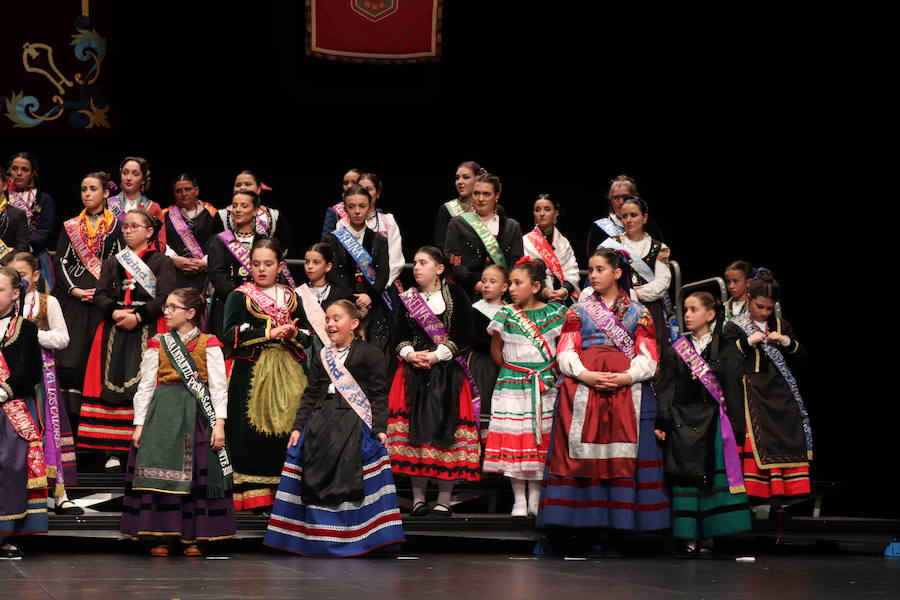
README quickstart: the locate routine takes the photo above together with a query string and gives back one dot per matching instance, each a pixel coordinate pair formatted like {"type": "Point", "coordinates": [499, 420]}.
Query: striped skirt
{"type": "Point", "coordinates": [699, 513]}
{"type": "Point", "coordinates": [640, 503]}
{"type": "Point", "coordinates": [775, 482]}
{"type": "Point", "coordinates": [348, 529]}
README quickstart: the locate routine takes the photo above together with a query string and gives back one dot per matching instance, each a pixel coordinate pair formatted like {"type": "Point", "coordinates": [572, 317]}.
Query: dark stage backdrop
{"type": "Point", "coordinates": [714, 120]}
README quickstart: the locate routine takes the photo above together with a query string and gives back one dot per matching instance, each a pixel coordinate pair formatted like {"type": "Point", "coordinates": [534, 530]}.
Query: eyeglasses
{"type": "Point", "coordinates": [619, 196]}
{"type": "Point", "coordinates": [170, 308]}
{"type": "Point", "coordinates": [127, 226]}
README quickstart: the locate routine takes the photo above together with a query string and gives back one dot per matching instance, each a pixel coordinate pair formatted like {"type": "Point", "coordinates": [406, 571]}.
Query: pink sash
{"type": "Point", "coordinates": [346, 385]}
{"type": "Point", "coordinates": [546, 252]}
{"type": "Point", "coordinates": [608, 324]}
{"type": "Point", "coordinates": [80, 245]}
{"type": "Point", "coordinates": [280, 314]}
{"type": "Point", "coordinates": [185, 233]}
{"type": "Point", "coordinates": [314, 313]}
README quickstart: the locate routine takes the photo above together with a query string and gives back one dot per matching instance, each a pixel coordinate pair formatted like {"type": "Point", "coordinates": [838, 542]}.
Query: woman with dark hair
{"type": "Point", "coordinates": [267, 221]}
{"type": "Point", "coordinates": [134, 173]}
{"type": "Point", "coordinates": [485, 236]}
{"type": "Point", "coordinates": [40, 213]}
{"type": "Point", "coordinates": [432, 408]}
{"type": "Point", "coordinates": [466, 173]}
{"type": "Point", "coordinates": [130, 295]}
{"type": "Point", "coordinates": [546, 242]}
{"type": "Point", "coordinates": [190, 226]}
{"type": "Point", "coordinates": [335, 213]}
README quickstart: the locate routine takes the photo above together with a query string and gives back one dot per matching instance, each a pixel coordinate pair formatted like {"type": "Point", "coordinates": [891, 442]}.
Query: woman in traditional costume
{"type": "Point", "coordinates": [268, 221]}
{"type": "Point", "coordinates": [479, 238]}
{"type": "Point", "coordinates": [265, 336]}
{"type": "Point", "coordinates": [362, 263]}
{"type": "Point", "coordinates": [23, 476]}
{"type": "Point", "coordinates": [336, 496]}
{"type": "Point", "coordinates": [40, 212]}
{"type": "Point", "coordinates": [85, 242]}
{"type": "Point", "coordinates": [778, 447]}
{"type": "Point", "coordinates": [466, 173]}
{"type": "Point", "coordinates": [333, 214]}
{"type": "Point", "coordinates": [650, 274]}
{"type": "Point", "coordinates": [432, 408]}
{"type": "Point", "coordinates": [132, 289]}
{"type": "Point", "coordinates": [179, 477]}
{"type": "Point", "coordinates": [53, 335]}
{"type": "Point", "coordinates": [494, 285]}
{"type": "Point", "coordinates": [698, 389]}
{"type": "Point", "coordinates": [604, 465]}
{"type": "Point", "coordinates": [524, 342]}
{"type": "Point", "coordinates": [134, 173]}
{"type": "Point", "coordinates": [190, 226]}
{"type": "Point", "coordinates": [547, 243]}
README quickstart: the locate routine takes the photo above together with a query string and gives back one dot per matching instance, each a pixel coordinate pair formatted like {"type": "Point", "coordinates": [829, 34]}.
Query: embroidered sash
{"type": "Point", "coordinates": [454, 207]}
{"type": "Point", "coordinates": [609, 227]}
{"type": "Point", "coordinates": [546, 252]}
{"type": "Point", "coordinates": [4, 249]}
{"type": "Point", "coordinates": [52, 425]}
{"type": "Point", "coordinates": [363, 260]}
{"type": "Point", "coordinates": [346, 385]}
{"type": "Point", "coordinates": [79, 242]}
{"type": "Point", "coordinates": [434, 329]}
{"type": "Point", "coordinates": [486, 237]}
{"type": "Point", "coordinates": [744, 321]}
{"type": "Point", "coordinates": [26, 201]}
{"type": "Point", "coordinates": [314, 313]}
{"type": "Point", "coordinates": [185, 233]}
{"type": "Point", "coordinates": [608, 323]}
{"type": "Point", "coordinates": [701, 370]}
{"type": "Point", "coordinates": [26, 428]}
{"type": "Point", "coordinates": [539, 386]}
{"type": "Point", "coordinates": [237, 249]}
{"type": "Point", "coordinates": [190, 377]}
{"type": "Point", "coordinates": [138, 269]}
{"type": "Point", "coordinates": [341, 211]}
{"type": "Point", "coordinates": [280, 314]}
{"type": "Point", "coordinates": [648, 275]}
{"type": "Point", "coordinates": [117, 205]}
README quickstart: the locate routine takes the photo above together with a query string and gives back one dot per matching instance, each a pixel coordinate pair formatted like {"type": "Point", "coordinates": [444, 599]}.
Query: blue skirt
{"type": "Point", "coordinates": [347, 529]}
{"type": "Point", "coordinates": [641, 503]}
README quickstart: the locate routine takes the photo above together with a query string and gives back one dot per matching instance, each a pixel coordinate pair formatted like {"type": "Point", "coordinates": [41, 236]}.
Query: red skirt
{"type": "Point", "coordinates": [775, 482]}
{"type": "Point", "coordinates": [458, 460]}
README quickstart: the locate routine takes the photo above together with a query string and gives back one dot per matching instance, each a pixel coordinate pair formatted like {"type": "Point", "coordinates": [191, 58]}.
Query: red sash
{"type": "Point", "coordinates": [80, 245]}
{"type": "Point", "coordinates": [546, 252]}
{"type": "Point", "coordinates": [26, 428]}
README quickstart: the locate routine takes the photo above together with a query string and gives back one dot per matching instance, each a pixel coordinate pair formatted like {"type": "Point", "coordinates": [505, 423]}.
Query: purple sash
{"type": "Point", "coordinates": [346, 385]}
{"type": "Point", "coordinates": [608, 323]}
{"type": "Point", "coordinates": [52, 427]}
{"type": "Point", "coordinates": [185, 233]}
{"type": "Point", "coordinates": [699, 367]}
{"type": "Point", "coordinates": [237, 249]}
{"type": "Point", "coordinates": [432, 326]}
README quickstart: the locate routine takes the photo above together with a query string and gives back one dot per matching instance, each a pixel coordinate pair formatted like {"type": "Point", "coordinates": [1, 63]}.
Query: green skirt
{"type": "Point", "coordinates": [708, 512]}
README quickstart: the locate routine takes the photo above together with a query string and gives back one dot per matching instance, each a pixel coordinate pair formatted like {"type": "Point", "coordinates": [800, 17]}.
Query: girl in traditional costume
{"type": "Point", "coordinates": [433, 404]}
{"type": "Point", "coordinates": [333, 213]}
{"type": "Point", "coordinates": [39, 210]}
{"type": "Point", "coordinates": [494, 285]}
{"type": "Point", "coordinates": [466, 173]}
{"type": "Point", "coordinates": [85, 242]}
{"type": "Point", "coordinates": [737, 281]}
{"type": "Point", "coordinates": [697, 390]}
{"type": "Point", "coordinates": [336, 496]}
{"type": "Point", "coordinates": [13, 224]}
{"type": "Point", "coordinates": [134, 173]}
{"type": "Point", "coordinates": [604, 465]}
{"type": "Point", "coordinates": [778, 447]}
{"type": "Point", "coordinates": [547, 243]}
{"type": "Point", "coordinates": [268, 221]}
{"type": "Point", "coordinates": [23, 477]}
{"type": "Point", "coordinates": [190, 226]}
{"type": "Point", "coordinates": [362, 262]}
{"type": "Point", "coordinates": [318, 293]}
{"type": "Point", "coordinates": [179, 477]}
{"type": "Point", "coordinates": [610, 225]}
{"type": "Point", "coordinates": [53, 335]}
{"type": "Point", "coordinates": [650, 274]}
{"type": "Point", "coordinates": [524, 341]}
{"type": "Point", "coordinates": [265, 335]}
{"type": "Point", "coordinates": [485, 236]}
{"type": "Point", "coordinates": [133, 287]}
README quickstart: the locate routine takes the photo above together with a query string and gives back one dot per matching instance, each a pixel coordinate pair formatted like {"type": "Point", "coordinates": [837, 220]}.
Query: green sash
{"type": "Point", "coordinates": [454, 207]}
{"type": "Point", "coordinates": [487, 238]}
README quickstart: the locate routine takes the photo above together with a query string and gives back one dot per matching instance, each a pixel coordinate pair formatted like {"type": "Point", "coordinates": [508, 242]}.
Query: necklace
{"type": "Point", "coordinates": [321, 292]}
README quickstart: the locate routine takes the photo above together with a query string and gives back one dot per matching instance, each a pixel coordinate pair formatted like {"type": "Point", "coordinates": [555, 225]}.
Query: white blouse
{"type": "Point", "coordinates": [380, 222]}
{"type": "Point", "coordinates": [215, 368]}
{"type": "Point", "coordinates": [564, 253]}
{"type": "Point", "coordinates": [437, 305]}
{"type": "Point", "coordinates": [57, 337]}
{"type": "Point", "coordinates": [660, 284]}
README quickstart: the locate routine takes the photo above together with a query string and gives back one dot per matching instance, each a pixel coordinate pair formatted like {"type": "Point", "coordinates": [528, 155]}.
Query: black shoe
{"type": "Point", "coordinates": [419, 510]}
{"type": "Point", "coordinates": [445, 511]}
{"type": "Point", "coordinates": [686, 550]}
{"type": "Point", "coordinates": [67, 507]}
{"type": "Point", "coordinates": [705, 553]}
{"type": "Point", "coordinates": [10, 552]}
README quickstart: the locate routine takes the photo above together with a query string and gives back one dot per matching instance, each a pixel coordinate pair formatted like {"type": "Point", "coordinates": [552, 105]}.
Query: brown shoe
{"type": "Point", "coordinates": [193, 550]}
{"type": "Point", "coordinates": [161, 550]}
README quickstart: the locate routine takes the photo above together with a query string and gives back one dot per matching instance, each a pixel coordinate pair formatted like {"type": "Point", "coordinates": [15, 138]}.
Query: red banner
{"type": "Point", "coordinates": [374, 30]}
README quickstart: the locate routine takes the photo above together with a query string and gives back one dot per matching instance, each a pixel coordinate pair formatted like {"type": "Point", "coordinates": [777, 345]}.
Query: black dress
{"type": "Point", "coordinates": [14, 231]}
{"type": "Point", "coordinates": [225, 274]}
{"type": "Point", "coordinates": [469, 257]}
{"type": "Point", "coordinates": [204, 226]}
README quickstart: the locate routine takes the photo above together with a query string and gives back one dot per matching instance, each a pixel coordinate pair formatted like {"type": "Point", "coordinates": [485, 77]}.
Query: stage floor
{"type": "Point", "coordinates": [63, 568]}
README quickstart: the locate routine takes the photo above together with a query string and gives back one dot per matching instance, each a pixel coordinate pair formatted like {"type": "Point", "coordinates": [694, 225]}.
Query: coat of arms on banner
{"type": "Point", "coordinates": [375, 10]}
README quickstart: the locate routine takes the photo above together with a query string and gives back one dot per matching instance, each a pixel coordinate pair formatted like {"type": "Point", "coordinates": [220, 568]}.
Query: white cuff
{"type": "Point", "coordinates": [443, 353]}
{"type": "Point", "coordinates": [406, 351]}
